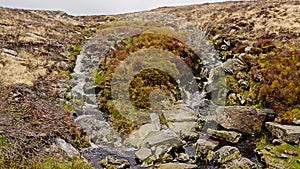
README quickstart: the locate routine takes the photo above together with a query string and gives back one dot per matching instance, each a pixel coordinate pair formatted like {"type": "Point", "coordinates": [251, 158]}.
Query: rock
{"type": "Point", "coordinates": [287, 133]}
{"type": "Point", "coordinates": [203, 147]}
{"type": "Point", "coordinates": [296, 121]}
{"type": "Point", "coordinates": [230, 136]}
{"type": "Point", "coordinates": [110, 162]}
{"type": "Point", "coordinates": [182, 120]}
{"type": "Point", "coordinates": [277, 141]}
{"type": "Point", "coordinates": [179, 113]}
{"type": "Point", "coordinates": [245, 84]}
{"type": "Point", "coordinates": [291, 152]}
{"type": "Point", "coordinates": [233, 98]}
{"type": "Point", "coordinates": [283, 156]}
{"type": "Point", "coordinates": [66, 147]}
{"type": "Point", "coordinates": [241, 99]}
{"type": "Point", "coordinates": [176, 166]}
{"type": "Point", "coordinates": [190, 150]}
{"type": "Point", "coordinates": [163, 137]}
{"type": "Point", "coordinates": [135, 138]}
{"type": "Point", "coordinates": [241, 118]}
{"type": "Point", "coordinates": [182, 157]}
{"type": "Point", "coordinates": [10, 52]}
{"type": "Point", "coordinates": [100, 131]}
{"type": "Point", "coordinates": [243, 163]}
{"type": "Point", "coordinates": [184, 129]}
{"type": "Point", "coordinates": [233, 65]}
{"type": "Point", "coordinates": [268, 148]}
{"type": "Point", "coordinates": [276, 166]}
{"type": "Point", "coordinates": [226, 154]}
{"type": "Point", "coordinates": [143, 153]}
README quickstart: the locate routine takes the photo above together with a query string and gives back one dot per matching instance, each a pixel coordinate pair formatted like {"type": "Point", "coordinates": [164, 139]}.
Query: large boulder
{"type": "Point", "coordinates": [241, 118]}
{"type": "Point", "coordinates": [287, 133]}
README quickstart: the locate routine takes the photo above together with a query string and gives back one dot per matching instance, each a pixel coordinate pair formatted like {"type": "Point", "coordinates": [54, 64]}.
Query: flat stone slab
{"type": "Point", "coordinates": [287, 133]}
{"type": "Point", "coordinates": [179, 113]}
{"type": "Point", "coordinates": [163, 137]}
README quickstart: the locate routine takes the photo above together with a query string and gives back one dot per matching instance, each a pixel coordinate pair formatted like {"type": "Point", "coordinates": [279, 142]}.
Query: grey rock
{"type": "Point", "coordinates": [233, 65]}
{"type": "Point", "coordinates": [100, 131]}
{"type": "Point", "coordinates": [66, 147]}
{"type": "Point", "coordinates": [203, 147]}
{"type": "Point", "coordinates": [136, 138]}
{"type": "Point", "coordinates": [287, 133]}
{"type": "Point", "coordinates": [113, 162]}
{"type": "Point", "coordinates": [277, 141]}
{"type": "Point", "coordinates": [179, 113]}
{"type": "Point", "coordinates": [241, 98]}
{"type": "Point", "coordinates": [182, 157]}
{"type": "Point", "coordinates": [296, 121]}
{"type": "Point", "coordinates": [143, 153]}
{"type": "Point", "coordinates": [10, 52]}
{"type": "Point", "coordinates": [230, 136]}
{"type": "Point", "coordinates": [242, 163]}
{"type": "Point", "coordinates": [226, 154]}
{"type": "Point", "coordinates": [240, 118]}
{"type": "Point", "coordinates": [163, 137]}
{"type": "Point", "coordinates": [283, 156]}
{"type": "Point", "coordinates": [184, 129]}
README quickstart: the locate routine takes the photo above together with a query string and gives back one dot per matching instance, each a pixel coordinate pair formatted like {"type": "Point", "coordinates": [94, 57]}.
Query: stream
{"type": "Point", "coordinates": [107, 142]}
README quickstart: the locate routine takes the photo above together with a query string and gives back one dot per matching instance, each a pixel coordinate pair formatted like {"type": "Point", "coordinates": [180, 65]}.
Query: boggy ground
{"type": "Point", "coordinates": [39, 49]}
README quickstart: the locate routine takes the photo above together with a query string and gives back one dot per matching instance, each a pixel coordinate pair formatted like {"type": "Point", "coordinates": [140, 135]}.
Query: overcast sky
{"type": "Point", "coordinates": [89, 7]}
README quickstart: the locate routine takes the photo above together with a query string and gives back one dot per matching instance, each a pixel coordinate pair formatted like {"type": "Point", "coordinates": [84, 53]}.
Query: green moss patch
{"type": "Point", "coordinates": [284, 155]}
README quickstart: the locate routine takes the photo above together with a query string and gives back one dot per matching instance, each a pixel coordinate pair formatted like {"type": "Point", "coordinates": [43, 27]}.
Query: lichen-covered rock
{"type": "Point", "coordinates": [287, 133]}
{"type": "Point", "coordinates": [230, 136]}
{"type": "Point", "coordinates": [110, 162]}
{"type": "Point", "coordinates": [226, 154]}
{"type": "Point", "coordinates": [242, 163]}
{"type": "Point", "coordinates": [203, 147]}
{"type": "Point", "coordinates": [241, 118]}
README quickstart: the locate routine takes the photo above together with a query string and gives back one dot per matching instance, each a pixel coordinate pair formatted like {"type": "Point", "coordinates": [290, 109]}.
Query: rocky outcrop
{"type": "Point", "coordinates": [241, 118]}
{"type": "Point", "coordinates": [288, 133]}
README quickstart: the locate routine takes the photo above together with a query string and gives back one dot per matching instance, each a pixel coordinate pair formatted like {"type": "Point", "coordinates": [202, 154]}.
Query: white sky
{"type": "Point", "coordinates": [89, 7]}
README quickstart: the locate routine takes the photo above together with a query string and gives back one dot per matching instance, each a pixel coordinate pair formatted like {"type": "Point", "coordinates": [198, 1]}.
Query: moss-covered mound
{"type": "Point", "coordinates": [140, 51]}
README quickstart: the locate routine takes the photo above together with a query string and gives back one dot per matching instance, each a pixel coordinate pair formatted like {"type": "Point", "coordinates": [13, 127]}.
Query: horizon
{"type": "Point", "coordinates": [102, 7]}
